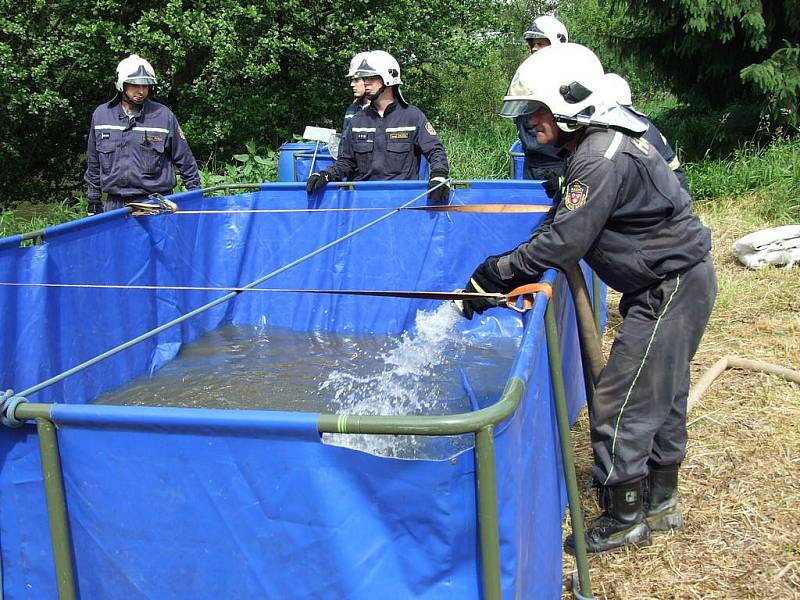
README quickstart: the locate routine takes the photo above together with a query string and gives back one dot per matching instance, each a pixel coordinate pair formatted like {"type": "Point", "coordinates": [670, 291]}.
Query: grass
{"type": "Point", "coordinates": [769, 177]}
{"type": "Point", "coordinates": [740, 482]}
{"type": "Point", "coordinates": [482, 153]}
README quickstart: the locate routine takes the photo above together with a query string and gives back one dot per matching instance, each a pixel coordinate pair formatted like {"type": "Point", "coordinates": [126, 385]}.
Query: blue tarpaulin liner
{"type": "Point", "coordinates": [203, 503]}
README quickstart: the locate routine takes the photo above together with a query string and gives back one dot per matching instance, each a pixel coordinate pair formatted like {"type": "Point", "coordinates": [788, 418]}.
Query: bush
{"type": "Point", "coordinates": [231, 70]}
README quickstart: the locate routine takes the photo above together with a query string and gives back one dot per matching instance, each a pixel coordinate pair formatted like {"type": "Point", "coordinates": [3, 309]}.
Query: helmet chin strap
{"type": "Point", "coordinates": [137, 102]}
{"type": "Point", "coordinates": [376, 95]}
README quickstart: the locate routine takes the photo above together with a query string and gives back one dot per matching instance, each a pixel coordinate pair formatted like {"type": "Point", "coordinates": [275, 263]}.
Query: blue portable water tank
{"type": "Point", "coordinates": [517, 160]}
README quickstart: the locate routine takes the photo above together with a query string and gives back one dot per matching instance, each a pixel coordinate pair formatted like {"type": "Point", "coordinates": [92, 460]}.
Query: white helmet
{"type": "Point", "coordinates": [567, 78]}
{"type": "Point", "coordinates": [136, 70]}
{"type": "Point", "coordinates": [618, 89]}
{"type": "Point", "coordinates": [547, 27]}
{"type": "Point", "coordinates": [382, 64]}
{"type": "Point", "coordinates": [355, 62]}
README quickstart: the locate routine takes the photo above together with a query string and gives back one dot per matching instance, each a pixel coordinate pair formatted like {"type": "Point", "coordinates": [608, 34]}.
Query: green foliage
{"type": "Point", "coordinates": [481, 152]}
{"type": "Point", "coordinates": [718, 50]}
{"type": "Point", "coordinates": [698, 131]}
{"type": "Point", "coordinates": [29, 218]}
{"type": "Point", "coordinates": [773, 173]}
{"type": "Point", "coordinates": [231, 70]}
{"type": "Point", "coordinates": [254, 166]}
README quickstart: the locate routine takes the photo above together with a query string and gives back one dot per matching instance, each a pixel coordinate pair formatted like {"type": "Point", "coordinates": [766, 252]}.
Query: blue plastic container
{"type": "Point", "coordinates": [517, 160]}
{"type": "Point", "coordinates": [296, 158]}
{"type": "Point", "coordinates": [178, 503]}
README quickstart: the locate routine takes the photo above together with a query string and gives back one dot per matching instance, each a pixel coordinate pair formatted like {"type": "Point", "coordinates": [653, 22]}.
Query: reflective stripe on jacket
{"type": "Point", "coordinates": [389, 147]}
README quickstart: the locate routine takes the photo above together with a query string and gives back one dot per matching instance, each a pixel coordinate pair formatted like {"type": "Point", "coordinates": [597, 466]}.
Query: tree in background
{"type": "Point", "coordinates": [231, 70]}
{"type": "Point", "coordinates": [719, 50]}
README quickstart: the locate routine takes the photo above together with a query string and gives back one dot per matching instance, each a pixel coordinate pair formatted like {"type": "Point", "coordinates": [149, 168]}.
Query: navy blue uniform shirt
{"type": "Point", "coordinates": [388, 147]}
{"type": "Point", "coordinates": [137, 156]}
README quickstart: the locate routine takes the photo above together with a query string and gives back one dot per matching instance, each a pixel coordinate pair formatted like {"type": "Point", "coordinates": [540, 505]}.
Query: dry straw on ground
{"type": "Point", "coordinates": [740, 482]}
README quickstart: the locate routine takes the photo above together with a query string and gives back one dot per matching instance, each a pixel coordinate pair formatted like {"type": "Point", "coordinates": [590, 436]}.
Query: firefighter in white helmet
{"type": "Point", "coordinates": [387, 139]}
{"type": "Point", "coordinates": [135, 143]}
{"type": "Point", "coordinates": [623, 211]}
{"type": "Point", "coordinates": [541, 161]}
{"type": "Point", "coordinates": [360, 100]}
{"type": "Point", "coordinates": [620, 90]}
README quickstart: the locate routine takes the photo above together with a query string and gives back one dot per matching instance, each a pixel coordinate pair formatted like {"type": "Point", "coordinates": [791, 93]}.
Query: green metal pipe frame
{"type": "Point", "coordinates": [568, 460]}
{"type": "Point", "coordinates": [488, 520]}
{"type": "Point", "coordinates": [56, 509]}
{"type": "Point", "coordinates": [480, 422]}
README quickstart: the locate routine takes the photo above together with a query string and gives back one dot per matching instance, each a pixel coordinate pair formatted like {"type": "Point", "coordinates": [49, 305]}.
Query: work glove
{"type": "Point", "coordinates": [487, 279]}
{"type": "Point", "coordinates": [552, 187]}
{"type": "Point", "coordinates": [317, 181]}
{"type": "Point", "coordinates": [441, 194]}
{"type": "Point", "coordinates": [95, 206]}
{"type": "Point", "coordinates": [484, 280]}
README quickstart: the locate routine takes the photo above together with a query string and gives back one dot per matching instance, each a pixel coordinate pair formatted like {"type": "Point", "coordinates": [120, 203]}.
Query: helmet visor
{"type": "Point", "coordinates": [516, 108]}
{"type": "Point", "coordinates": [534, 33]}
{"type": "Point", "coordinates": [362, 73]}
{"type": "Point", "coordinates": [141, 80]}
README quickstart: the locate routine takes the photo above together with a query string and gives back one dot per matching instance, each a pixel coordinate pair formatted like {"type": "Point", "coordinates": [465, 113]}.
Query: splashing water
{"type": "Point", "coordinates": [412, 377]}
{"type": "Point", "coordinates": [423, 372]}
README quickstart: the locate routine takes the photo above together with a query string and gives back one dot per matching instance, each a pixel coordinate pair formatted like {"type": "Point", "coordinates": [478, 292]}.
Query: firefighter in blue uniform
{"type": "Point", "coordinates": [135, 143]}
{"type": "Point", "coordinates": [360, 100]}
{"type": "Point", "coordinates": [387, 139]}
{"type": "Point", "coordinates": [621, 92]}
{"type": "Point", "coordinates": [622, 210]}
{"type": "Point", "coordinates": [542, 161]}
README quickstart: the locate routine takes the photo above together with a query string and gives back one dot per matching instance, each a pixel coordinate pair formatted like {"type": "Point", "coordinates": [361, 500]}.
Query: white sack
{"type": "Point", "coordinates": [773, 246]}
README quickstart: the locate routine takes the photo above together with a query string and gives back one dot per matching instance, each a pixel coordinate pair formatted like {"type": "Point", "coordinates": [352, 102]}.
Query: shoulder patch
{"type": "Point", "coordinates": [180, 132]}
{"type": "Point", "coordinates": [577, 195]}
{"type": "Point", "coordinates": [429, 128]}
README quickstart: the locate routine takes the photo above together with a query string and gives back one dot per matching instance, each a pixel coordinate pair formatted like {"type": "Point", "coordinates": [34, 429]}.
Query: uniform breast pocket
{"type": "Point", "coordinates": [153, 161]}
{"type": "Point", "coordinates": [363, 155]}
{"type": "Point", "coordinates": [397, 155]}
{"type": "Point", "coordinates": [106, 149]}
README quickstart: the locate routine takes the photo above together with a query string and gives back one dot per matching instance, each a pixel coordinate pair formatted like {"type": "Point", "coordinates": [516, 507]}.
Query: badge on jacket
{"type": "Point", "coordinates": [577, 194]}
{"type": "Point", "coordinates": [429, 128]}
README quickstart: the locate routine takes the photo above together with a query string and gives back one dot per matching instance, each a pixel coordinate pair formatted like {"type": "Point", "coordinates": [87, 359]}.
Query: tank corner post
{"type": "Point", "coordinates": [60, 537]}
{"type": "Point", "coordinates": [488, 520]}
{"type": "Point", "coordinates": [56, 508]}
{"type": "Point", "coordinates": [568, 459]}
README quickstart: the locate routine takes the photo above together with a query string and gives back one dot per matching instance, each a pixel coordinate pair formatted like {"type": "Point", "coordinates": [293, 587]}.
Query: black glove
{"type": "Point", "coordinates": [317, 181]}
{"type": "Point", "coordinates": [485, 280]}
{"type": "Point", "coordinates": [442, 193]}
{"type": "Point", "coordinates": [95, 206]}
{"type": "Point", "coordinates": [552, 187]}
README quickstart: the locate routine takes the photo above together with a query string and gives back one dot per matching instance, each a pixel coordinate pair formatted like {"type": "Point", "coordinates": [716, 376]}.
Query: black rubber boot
{"type": "Point", "coordinates": [622, 523]}
{"type": "Point", "coordinates": [661, 498]}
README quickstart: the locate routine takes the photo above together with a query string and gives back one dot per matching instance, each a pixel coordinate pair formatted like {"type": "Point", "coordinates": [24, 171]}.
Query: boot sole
{"type": "Point", "coordinates": [638, 537]}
